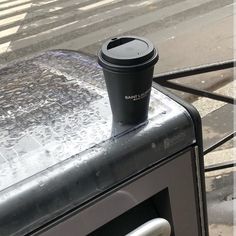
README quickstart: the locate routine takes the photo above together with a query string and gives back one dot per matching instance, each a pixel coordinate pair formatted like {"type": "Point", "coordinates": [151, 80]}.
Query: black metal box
{"type": "Point", "coordinates": [63, 169]}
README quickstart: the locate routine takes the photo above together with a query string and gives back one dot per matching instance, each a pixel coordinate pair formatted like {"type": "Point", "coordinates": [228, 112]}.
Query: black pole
{"type": "Point", "coordinates": [198, 92]}
{"type": "Point", "coordinates": [195, 70]}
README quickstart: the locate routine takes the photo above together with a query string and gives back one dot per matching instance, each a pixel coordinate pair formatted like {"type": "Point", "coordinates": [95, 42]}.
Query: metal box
{"type": "Point", "coordinates": [63, 169]}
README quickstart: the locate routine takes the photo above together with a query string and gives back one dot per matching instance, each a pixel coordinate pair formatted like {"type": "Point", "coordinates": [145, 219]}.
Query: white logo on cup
{"type": "Point", "coordinates": [137, 97]}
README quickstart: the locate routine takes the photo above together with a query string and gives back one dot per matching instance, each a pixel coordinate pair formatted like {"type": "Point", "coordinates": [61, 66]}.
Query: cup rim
{"type": "Point", "coordinates": [125, 68]}
{"type": "Point", "coordinates": [147, 59]}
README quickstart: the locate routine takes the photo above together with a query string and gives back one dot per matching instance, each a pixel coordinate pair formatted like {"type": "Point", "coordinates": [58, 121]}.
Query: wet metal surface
{"type": "Point", "coordinates": [56, 148]}
{"type": "Point", "coordinates": [46, 113]}
{"type": "Point", "coordinates": [51, 110]}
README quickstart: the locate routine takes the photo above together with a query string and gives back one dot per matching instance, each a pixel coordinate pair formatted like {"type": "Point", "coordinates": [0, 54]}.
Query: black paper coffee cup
{"type": "Point", "coordinates": [128, 64]}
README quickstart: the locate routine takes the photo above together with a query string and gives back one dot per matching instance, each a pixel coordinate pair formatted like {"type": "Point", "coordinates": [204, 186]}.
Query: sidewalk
{"type": "Point", "coordinates": [221, 198]}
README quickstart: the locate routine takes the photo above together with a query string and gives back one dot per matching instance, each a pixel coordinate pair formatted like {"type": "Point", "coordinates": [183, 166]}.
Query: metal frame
{"type": "Point", "coordinates": [164, 80]}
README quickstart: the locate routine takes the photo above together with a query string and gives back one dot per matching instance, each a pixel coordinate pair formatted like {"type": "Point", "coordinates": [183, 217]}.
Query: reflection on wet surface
{"type": "Point", "coordinates": [57, 145]}
{"type": "Point", "coordinates": [53, 107]}
{"type": "Point", "coordinates": [46, 112]}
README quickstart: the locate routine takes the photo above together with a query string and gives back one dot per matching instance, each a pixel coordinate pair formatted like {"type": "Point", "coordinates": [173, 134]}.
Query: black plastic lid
{"type": "Point", "coordinates": [126, 52]}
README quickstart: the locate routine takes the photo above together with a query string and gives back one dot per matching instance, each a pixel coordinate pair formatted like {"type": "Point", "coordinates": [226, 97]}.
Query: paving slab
{"type": "Point", "coordinates": [220, 185]}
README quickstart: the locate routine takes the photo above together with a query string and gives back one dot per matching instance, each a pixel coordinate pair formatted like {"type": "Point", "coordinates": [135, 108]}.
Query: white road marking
{"type": "Point", "coordinates": [25, 7]}
{"type": "Point", "coordinates": [123, 27]}
{"type": "Point", "coordinates": [13, 3]}
{"type": "Point", "coordinates": [4, 47]}
{"type": "Point", "coordinates": [9, 31]}
{"type": "Point", "coordinates": [15, 9]}
{"type": "Point", "coordinates": [57, 31]}
{"type": "Point", "coordinates": [95, 5]}
{"type": "Point", "coordinates": [12, 19]}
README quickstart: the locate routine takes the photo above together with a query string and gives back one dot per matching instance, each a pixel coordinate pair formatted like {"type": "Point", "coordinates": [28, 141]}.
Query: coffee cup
{"type": "Point", "coordinates": [128, 65]}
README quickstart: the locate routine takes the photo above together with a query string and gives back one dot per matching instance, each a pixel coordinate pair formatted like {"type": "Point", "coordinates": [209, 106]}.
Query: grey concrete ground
{"type": "Point", "coordinates": [220, 185]}
{"type": "Point", "coordinates": [186, 32]}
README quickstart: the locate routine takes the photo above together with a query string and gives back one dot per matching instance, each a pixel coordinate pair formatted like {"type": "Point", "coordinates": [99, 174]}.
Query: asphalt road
{"type": "Point", "coordinates": [186, 32]}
